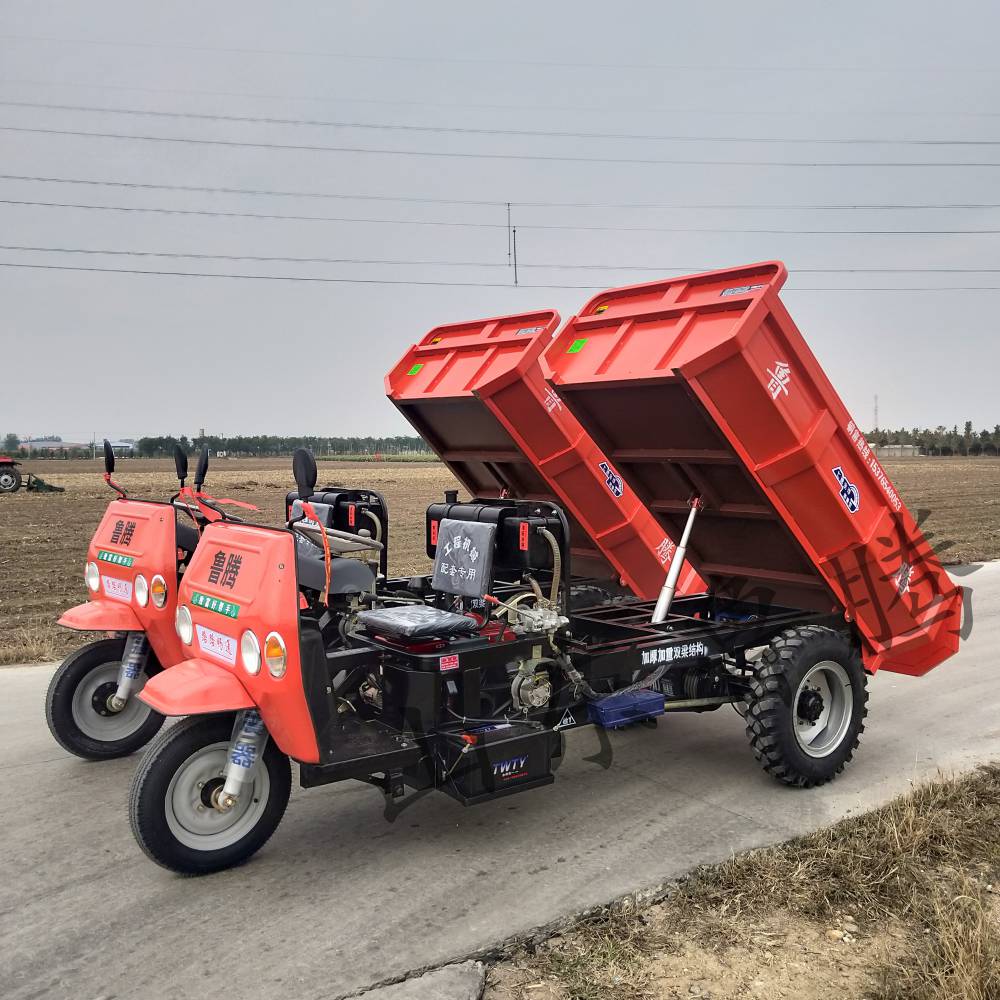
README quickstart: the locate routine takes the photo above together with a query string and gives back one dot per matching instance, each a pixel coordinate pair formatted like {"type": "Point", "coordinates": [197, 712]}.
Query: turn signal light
{"type": "Point", "coordinates": [274, 654]}
{"type": "Point", "coordinates": [158, 591]}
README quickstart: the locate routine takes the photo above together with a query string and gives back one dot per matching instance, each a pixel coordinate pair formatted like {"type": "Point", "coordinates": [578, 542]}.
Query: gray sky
{"type": "Point", "coordinates": [127, 354]}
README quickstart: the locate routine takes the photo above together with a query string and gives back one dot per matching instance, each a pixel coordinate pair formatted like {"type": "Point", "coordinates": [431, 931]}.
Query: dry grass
{"type": "Point", "coordinates": [957, 957]}
{"type": "Point", "coordinates": [919, 865]}
{"type": "Point", "coordinates": [873, 865]}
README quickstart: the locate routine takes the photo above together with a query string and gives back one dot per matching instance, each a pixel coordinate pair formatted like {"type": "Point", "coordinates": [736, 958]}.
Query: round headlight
{"type": "Point", "coordinates": [274, 654]}
{"type": "Point", "coordinates": [141, 591]}
{"type": "Point", "coordinates": [250, 653]}
{"type": "Point", "coordinates": [184, 625]}
{"type": "Point", "coordinates": [158, 591]}
{"type": "Point", "coordinates": [93, 576]}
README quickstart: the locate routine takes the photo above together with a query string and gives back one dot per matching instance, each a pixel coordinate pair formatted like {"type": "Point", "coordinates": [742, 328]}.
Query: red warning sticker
{"type": "Point", "coordinates": [434, 532]}
{"type": "Point", "coordinates": [523, 536]}
{"type": "Point", "coordinates": [352, 513]}
{"type": "Point", "coordinates": [448, 662]}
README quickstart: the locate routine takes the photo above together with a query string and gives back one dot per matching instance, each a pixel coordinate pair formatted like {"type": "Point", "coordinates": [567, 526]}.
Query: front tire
{"type": "Point", "coordinates": [806, 705]}
{"type": "Point", "coordinates": [170, 802]}
{"type": "Point", "coordinates": [76, 705]}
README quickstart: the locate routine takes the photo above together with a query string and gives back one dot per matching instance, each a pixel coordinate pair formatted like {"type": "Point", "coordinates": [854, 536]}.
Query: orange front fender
{"type": "Point", "coordinates": [101, 616]}
{"type": "Point", "coordinates": [195, 687]}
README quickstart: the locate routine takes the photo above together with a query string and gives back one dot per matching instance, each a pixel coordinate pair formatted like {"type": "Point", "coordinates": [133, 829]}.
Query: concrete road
{"type": "Point", "coordinates": [341, 897]}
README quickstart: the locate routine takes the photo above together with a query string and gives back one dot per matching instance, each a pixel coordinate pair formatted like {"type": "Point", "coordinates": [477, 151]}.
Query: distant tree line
{"type": "Point", "coordinates": [939, 440]}
{"type": "Point", "coordinates": [267, 445]}
{"type": "Point", "coordinates": [942, 441]}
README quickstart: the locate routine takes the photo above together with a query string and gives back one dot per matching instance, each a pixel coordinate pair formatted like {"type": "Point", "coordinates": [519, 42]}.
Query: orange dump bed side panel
{"type": "Point", "coordinates": [476, 394]}
{"type": "Point", "coordinates": [704, 384]}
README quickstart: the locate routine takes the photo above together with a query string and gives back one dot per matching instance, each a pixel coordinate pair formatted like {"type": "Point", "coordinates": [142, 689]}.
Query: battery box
{"type": "Point", "coordinates": [482, 762]}
{"type": "Point", "coordinates": [519, 546]}
{"type": "Point", "coordinates": [629, 706]}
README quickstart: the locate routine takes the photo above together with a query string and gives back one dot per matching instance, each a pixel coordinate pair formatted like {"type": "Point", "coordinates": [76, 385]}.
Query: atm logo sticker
{"type": "Point", "coordinates": [849, 493]}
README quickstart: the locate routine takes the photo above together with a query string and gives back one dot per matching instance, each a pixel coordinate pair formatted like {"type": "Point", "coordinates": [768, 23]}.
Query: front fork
{"type": "Point", "coordinates": [133, 664]}
{"type": "Point", "coordinates": [245, 749]}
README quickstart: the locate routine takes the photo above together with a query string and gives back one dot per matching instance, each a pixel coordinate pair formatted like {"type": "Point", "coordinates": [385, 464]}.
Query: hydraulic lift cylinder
{"type": "Point", "coordinates": [666, 597]}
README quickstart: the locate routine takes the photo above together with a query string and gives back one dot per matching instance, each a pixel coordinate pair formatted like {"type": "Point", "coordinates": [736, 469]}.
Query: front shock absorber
{"type": "Point", "coordinates": [246, 745]}
{"type": "Point", "coordinates": [133, 664]}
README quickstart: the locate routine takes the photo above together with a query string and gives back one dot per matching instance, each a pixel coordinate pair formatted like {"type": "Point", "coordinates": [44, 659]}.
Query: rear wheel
{"type": "Point", "coordinates": [78, 709]}
{"type": "Point", "coordinates": [807, 705]}
{"type": "Point", "coordinates": [171, 803]}
{"type": "Point", "coordinates": [10, 479]}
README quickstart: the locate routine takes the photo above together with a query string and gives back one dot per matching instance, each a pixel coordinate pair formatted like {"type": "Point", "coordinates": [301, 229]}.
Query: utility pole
{"type": "Point", "coordinates": [876, 411]}
{"type": "Point", "coordinates": [515, 255]}
{"type": "Point", "coordinates": [508, 234]}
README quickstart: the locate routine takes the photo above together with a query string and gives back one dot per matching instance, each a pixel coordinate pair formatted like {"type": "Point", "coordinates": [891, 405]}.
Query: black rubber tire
{"type": "Point", "coordinates": [11, 481]}
{"type": "Point", "coordinates": [59, 704]}
{"type": "Point", "coordinates": [147, 809]}
{"type": "Point", "coordinates": [770, 715]}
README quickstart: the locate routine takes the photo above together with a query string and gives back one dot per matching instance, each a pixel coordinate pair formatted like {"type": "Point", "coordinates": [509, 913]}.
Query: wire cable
{"type": "Point", "coordinates": [527, 157]}
{"type": "Point", "coordinates": [734, 111]}
{"type": "Point", "coordinates": [498, 225]}
{"type": "Point", "coordinates": [467, 130]}
{"type": "Point", "coordinates": [662, 269]}
{"type": "Point", "coordinates": [454, 284]}
{"type": "Point", "coordinates": [487, 203]}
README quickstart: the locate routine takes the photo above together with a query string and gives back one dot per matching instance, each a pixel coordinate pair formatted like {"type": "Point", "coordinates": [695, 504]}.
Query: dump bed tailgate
{"type": "Point", "coordinates": [475, 392]}
{"type": "Point", "coordinates": [703, 385]}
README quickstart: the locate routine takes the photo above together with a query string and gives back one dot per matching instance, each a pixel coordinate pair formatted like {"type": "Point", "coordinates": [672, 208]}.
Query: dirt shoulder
{"type": "Point", "coordinates": [896, 904]}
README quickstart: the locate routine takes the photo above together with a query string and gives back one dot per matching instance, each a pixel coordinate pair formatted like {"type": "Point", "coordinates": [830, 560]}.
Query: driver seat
{"type": "Point", "coordinates": [463, 566]}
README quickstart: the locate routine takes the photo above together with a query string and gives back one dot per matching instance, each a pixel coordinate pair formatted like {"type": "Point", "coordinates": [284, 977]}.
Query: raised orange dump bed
{"type": "Point", "coordinates": [704, 385]}
{"type": "Point", "coordinates": [475, 393]}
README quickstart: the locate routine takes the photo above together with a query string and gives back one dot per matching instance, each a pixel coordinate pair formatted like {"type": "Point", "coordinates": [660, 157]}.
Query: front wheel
{"type": "Point", "coordinates": [806, 706]}
{"type": "Point", "coordinates": [78, 705]}
{"type": "Point", "coordinates": [171, 802]}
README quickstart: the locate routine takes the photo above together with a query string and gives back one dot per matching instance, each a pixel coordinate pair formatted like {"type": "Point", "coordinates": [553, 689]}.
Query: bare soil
{"type": "Point", "coordinates": [44, 536]}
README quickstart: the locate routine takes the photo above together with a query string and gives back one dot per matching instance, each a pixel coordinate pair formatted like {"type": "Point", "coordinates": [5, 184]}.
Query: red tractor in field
{"type": "Point", "coordinates": [11, 479]}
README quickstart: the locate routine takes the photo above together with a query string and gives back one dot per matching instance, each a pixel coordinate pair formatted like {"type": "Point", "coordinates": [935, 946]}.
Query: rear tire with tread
{"type": "Point", "coordinates": [10, 479]}
{"type": "Point", "coordinates": [772, 713]}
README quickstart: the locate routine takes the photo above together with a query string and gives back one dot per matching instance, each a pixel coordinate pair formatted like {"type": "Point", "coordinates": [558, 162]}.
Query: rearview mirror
{"type": "Point", "coordinates": [109, 457]}
{"type": "Point", "coordinates": [304, 470]}
{"type": "Point", "coordinates": [202, 470]}
{"type": "Point", "coordinates": [180, 463]}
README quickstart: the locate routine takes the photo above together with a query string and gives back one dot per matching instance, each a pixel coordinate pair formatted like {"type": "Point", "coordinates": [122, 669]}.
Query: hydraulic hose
{"type": "Point", "coordinates": [556, 565]}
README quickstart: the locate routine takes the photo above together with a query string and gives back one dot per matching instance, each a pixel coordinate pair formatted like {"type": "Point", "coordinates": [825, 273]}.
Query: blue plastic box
{"type": "Point", "coordinates": [621, 709]}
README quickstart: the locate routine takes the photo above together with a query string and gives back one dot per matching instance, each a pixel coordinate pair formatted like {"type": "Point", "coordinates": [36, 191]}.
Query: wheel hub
{"type": "Point", "coordinates": [102, 699]}
{"type": "Point", "coordinates": [810, 706]}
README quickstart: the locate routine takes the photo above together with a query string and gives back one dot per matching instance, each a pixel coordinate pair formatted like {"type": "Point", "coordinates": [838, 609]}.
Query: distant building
{"type": "Point", "coordinates": [897, 450]}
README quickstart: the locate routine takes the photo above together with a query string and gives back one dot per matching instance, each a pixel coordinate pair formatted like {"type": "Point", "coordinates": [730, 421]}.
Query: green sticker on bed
{"type": "Point", "coordinates": [415, 369]}
{"type": "Point", "coordinates": [576, 346]}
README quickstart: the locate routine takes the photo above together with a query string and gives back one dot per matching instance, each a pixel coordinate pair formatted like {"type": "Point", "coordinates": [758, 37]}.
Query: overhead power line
{"type": "Point", "coordinates": [272, 193]}
{"type": "Point", "coordinates": [734, 110]}
{"type": "Point", "coordinates": [529, 157]}
{"type": "Point", "coordinates": [452, 284]}
{"type": "Point", "coordinates": [498, 225]}
{"type": "Point", "coordinates": [553, 265]}
{"type": "Point", "coordinates": [468, 130]}
{"type": "Point", "coordinates": [486, 60]}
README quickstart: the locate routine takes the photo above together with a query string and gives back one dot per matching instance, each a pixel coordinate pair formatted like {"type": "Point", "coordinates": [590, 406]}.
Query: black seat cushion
{"type": "Point", "coordinates": [417, 621]}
